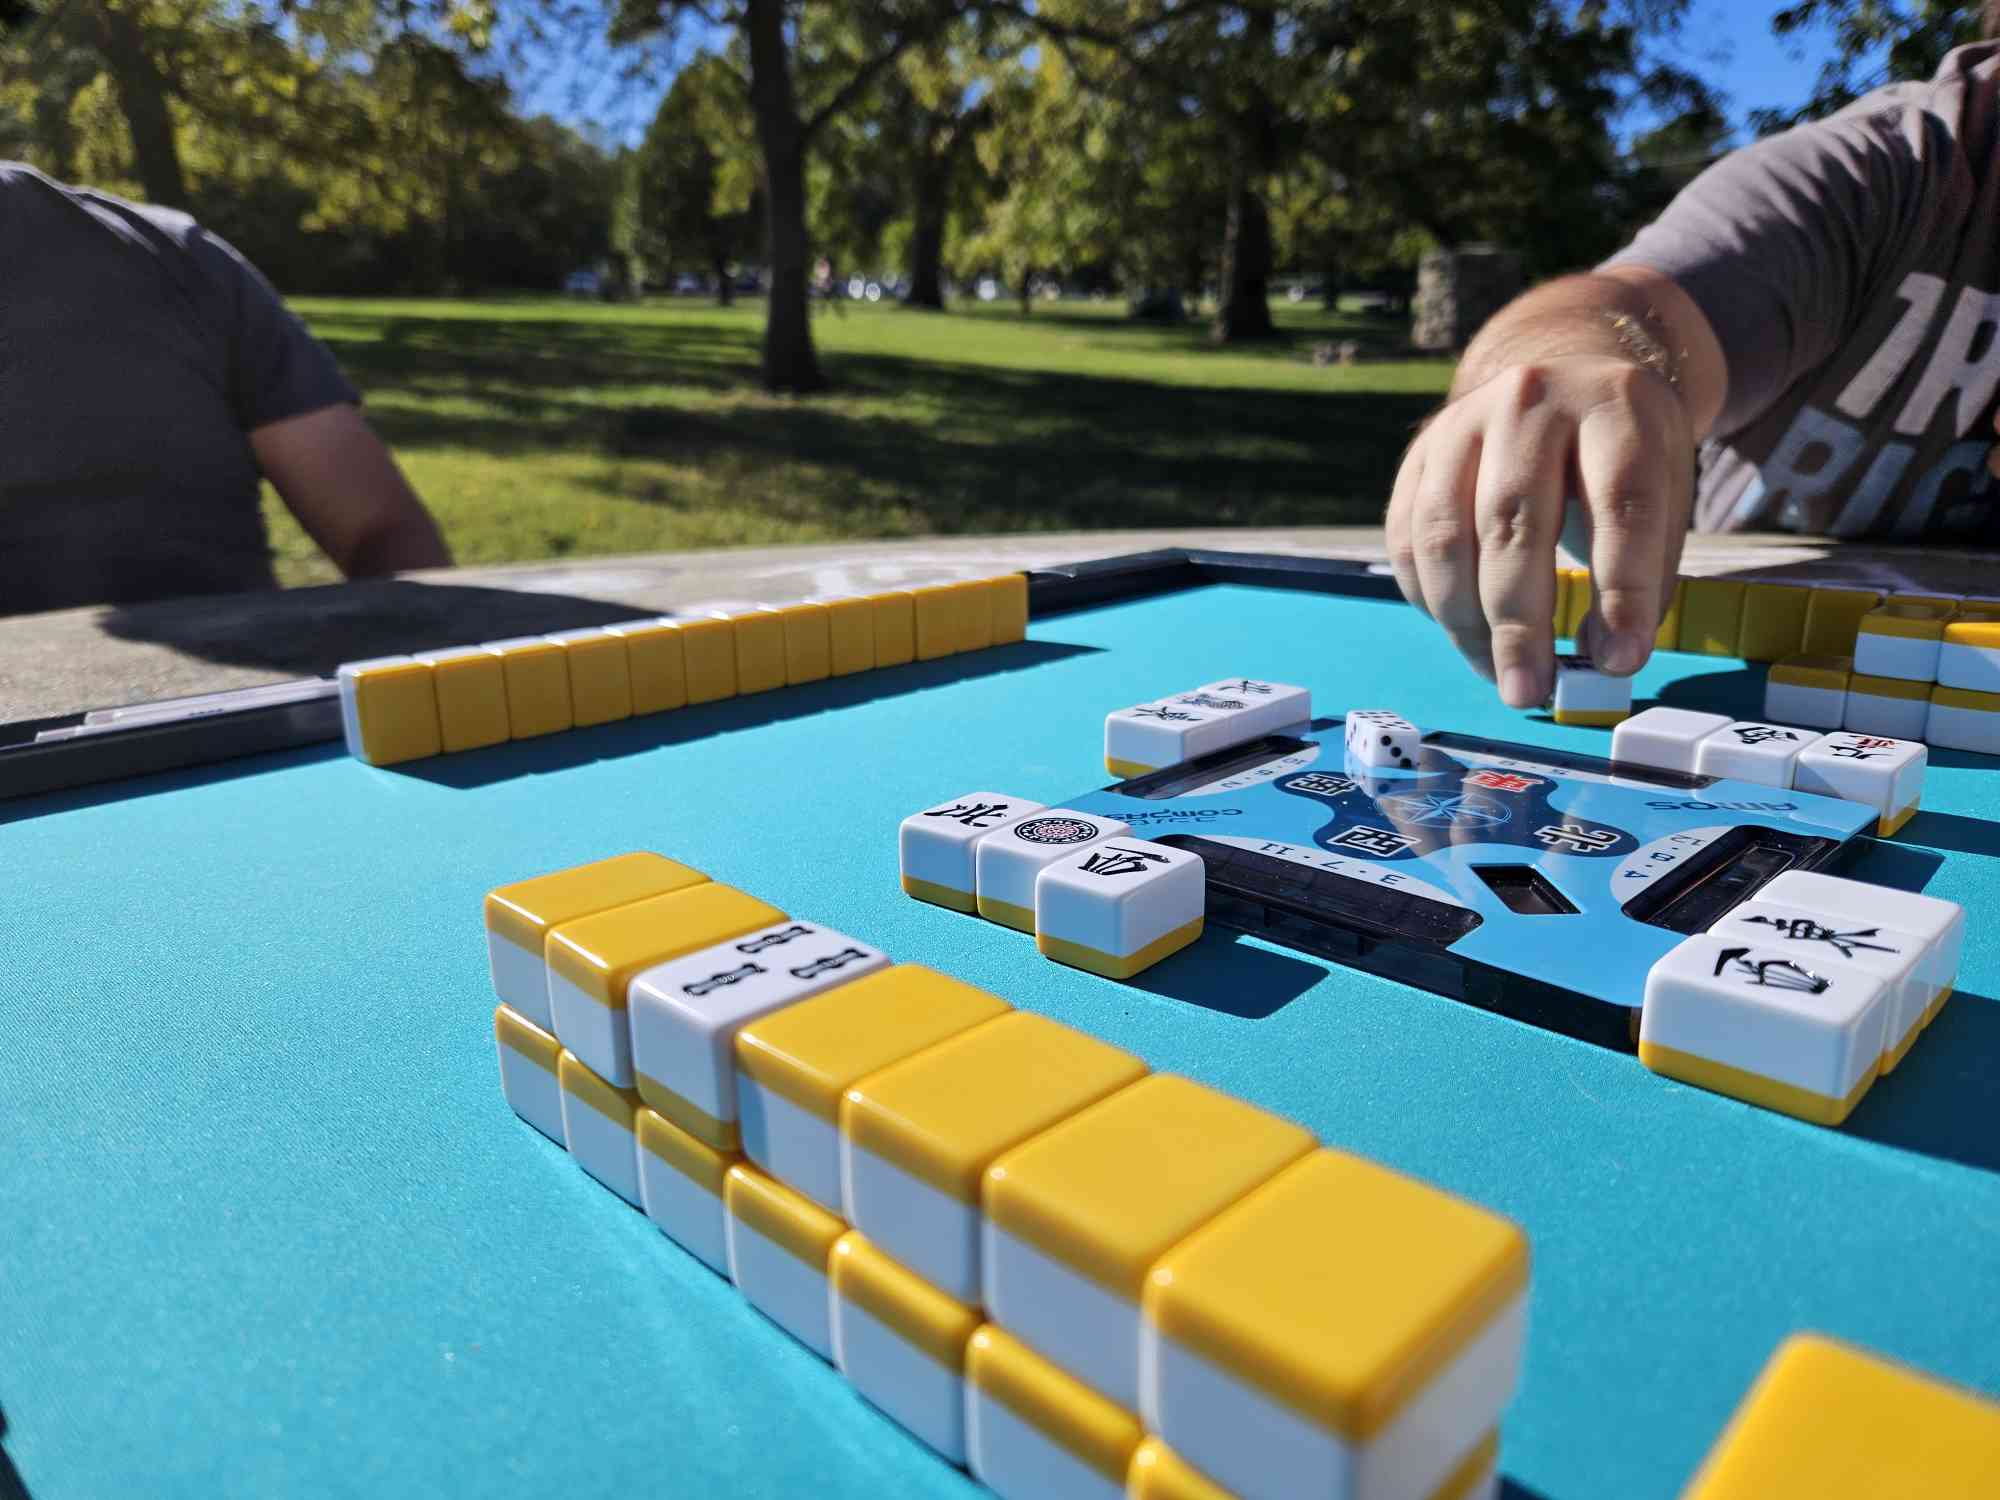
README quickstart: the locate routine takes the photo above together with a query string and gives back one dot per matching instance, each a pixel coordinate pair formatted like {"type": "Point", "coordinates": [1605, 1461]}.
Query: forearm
{"type": "Point", "coordinates": [1628, 314]}
{"type": "Point", "coordinates": [336, 476]}
{"type": "Point", "coordinates": [410, 541]}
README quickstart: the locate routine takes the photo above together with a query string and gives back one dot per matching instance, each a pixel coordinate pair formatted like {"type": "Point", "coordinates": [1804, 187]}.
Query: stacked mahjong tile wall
{"type": "Point", "coordinates": [1073, 1275]}
{"type": "Point", "coordinates": [406, 708]}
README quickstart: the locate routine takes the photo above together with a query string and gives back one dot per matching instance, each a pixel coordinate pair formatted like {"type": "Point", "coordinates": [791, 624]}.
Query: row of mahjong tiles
{"type": "Point", "coordinates": [1824, 1420]}
{"type": "Point", "coordinates": [404, 708]}
{"type": "Point", "coordinates": [1031, 1250]}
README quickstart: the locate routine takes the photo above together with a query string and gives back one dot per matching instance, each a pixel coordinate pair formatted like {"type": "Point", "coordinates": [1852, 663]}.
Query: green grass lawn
{"type": "Point", "coordinates": [543, 428]}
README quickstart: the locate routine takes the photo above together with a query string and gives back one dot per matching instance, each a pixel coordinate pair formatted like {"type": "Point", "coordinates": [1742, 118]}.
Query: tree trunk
{"type": "Point", "coordinates": [1246, 265]}
{"type": "Point", "coordinates": [933, 177]}
{"type": "Point", "coordinates": [725, 289]}
{"type": "Point", "coordinates": [1330, 289]}
{"type": "Point", "coordinates": [142, 99]}
{"type": "Point", "coordinates": [789, 361]}
{"type": "Point", "coordinates": [1027, 300]}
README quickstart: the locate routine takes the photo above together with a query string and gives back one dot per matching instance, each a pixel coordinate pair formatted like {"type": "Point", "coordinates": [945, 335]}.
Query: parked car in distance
{"type": "Point", "coordinates": [583, 284]}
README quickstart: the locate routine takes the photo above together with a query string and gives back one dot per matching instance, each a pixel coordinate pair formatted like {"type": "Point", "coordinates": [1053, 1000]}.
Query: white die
{"type": "Point", "coordinates": [1663, 738]}
{"type": "Point", "coordinates": [1377, 737]}
{"type": "Point", "coordinates": [1874, 770]}
{"type": "Point", "coordinates": [1010, 860]}
{"type": "Point", "coordinates": [686, 1013]}
{"type": "Point", "coordinates": [1766, 754]}
{"type": "Point", "coordinates": [935, 846]}
{"type": "Point", "coordinates": [1119, 906]}
{"type": "Point", "coordinates": [1739, 1017]}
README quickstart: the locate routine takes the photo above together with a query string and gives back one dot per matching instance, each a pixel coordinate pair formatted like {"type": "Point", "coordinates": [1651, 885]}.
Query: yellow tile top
{"type": "Point", "coordinates": [1576, 601]}
{"type": "Point", "coordinates": [620, 1106]}
{"type": "Point", "coordinates": [975, 614]}
{"type": "Point", "coordinates": [808, 643]}
{"type": "Point", "coordinates": [1828, 1422]}
{"type": "Point", "coordinates": [944, 1114]}
{"type": "Point", "coordinates": [940, 620]}
{"type": "Point", "coordinates": [1829, 672]}
{"type": "Point", "coordinates": [1773, 621]}
{"type": "Point", "coordinates": [395, 704]}
{"type": "Point", "coordinates": [1054, 1403]}
{"type": "Point", "coordinates": [1668, 636]}
{"type": "Point", "coordinates": [760, 650]}
{"type": "Point", "coordinates": [471, 697]}
{"type": "Point", "coordinates": [1833, 619]}
{"type": "Point", "coordinates": [1114, 1188]}
{"type": "Point", "coordinates": [850, 627]}
{"type": "Point", "coordinates": [695, 1160]}
{"type": "Point", "coordinates": [1974, 627]}
{"type": "Point", "coordinates": [537, 674]}
{"type": "Point", "coordinates": [1345, 1328]}
{"type": "Point", "coordinates": [708, 649]}
{"type": "Point", "coordinates": [600, 676]}
{"type": "Point", "coordinates": [787, 1219]}
{"type": "Point", "coordinates": [1889, 687]}
{"type": "Point", "coordinates": [529, 909]}
{"type": "Point", "coordinates": [1159, 1473]}
{"type": "Point", "coordinates": [813, 1052]}
{"type": "Point", "coordinates": [1907, 619]}
{"type": "Point", "coordinates": [1712, 616]}
{"type": "Point", "coordinates": [516, 1031]}
{"type": "Point", "coordinates": [1010, 608]}
{"type": "Point", "coordinates": [658, 664]}
{"type": "Point", "coordinates": [524, 912]}
{"type": "Point", "coordinates": [599, 954]}
{"type": "Point", "coordinates": [900, 1299]}
{"type": "Point", "coordinates": [1947, 697]}
{"type": "Point", "coordinates": [895, 628]}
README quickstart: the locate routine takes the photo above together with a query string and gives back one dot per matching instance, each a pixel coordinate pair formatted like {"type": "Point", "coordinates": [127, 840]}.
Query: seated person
{"type": "Point", "coordinates": [1816, 312]}
{"type": "Point", "coordinates": [149, 377]}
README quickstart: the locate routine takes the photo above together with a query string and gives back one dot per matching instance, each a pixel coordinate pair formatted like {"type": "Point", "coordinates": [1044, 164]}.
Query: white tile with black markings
{"type": "Point", "coordinates": [1766, 754]}
{"type": "Point", "coordinates": [1119, 907]}
{"type": "Point", "coordinates": [935, 847]}
{"type": "Point", "coordinates": [1010, 861]}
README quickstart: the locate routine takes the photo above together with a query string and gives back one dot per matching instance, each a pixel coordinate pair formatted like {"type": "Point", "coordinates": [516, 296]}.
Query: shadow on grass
{"type": "Point", "coordinates": [965, 447]}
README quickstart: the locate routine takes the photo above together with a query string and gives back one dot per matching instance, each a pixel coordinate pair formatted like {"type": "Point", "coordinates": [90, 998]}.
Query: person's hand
{"type": "Point", "coordinates": [1481, 500]}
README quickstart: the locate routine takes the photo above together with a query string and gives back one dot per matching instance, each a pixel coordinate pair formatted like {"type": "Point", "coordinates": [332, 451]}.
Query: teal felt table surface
{"type": "Point", "coordinates": [268, 1227]}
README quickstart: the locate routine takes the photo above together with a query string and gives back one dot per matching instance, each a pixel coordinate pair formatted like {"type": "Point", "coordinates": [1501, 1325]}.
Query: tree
{"type": "Point", "coordinates": [683, 218]}
{"type": "Point", "coordinates": [807, 62]}
{"type": "Point", "coordinates": [1874, 42]}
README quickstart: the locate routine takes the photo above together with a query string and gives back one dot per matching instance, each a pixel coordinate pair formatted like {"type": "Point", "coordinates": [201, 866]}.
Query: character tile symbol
{"type": "Point", "coordinates": [1245, 685]}
{"type": "Point", "coordinates": [717, 981]}
{"type": "Point", "coordinates": [1763, 734]}
{"type": "Point", "coordinates": [828, 964]}
{"type": "Point", "coordinates": [1379, 842]}
{"type": "Point", "coordinates": [1852, 752]}
{"type": "Point", "coordinates": [1577, 838]}
{"type": "Point", "coordinates": [1112, 860]}
{"type": "Point", "coordinates": [1772, 973]}
{"type": "Point", "coordinates": [1209, 700]}
{"type": "Point", "coordinates": [774, 939]}
{"type": "Point", "coordinates": [1806, 930]}
{"type": "Point", "coordinates": [971, 814]}
{"type": "Point", "coordinates": [1503, 781]}
{"type": "Point", "coordinates": [1170, 715]}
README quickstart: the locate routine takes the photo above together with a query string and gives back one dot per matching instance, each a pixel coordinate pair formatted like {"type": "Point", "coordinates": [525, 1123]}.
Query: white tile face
{"type": "Point", "coordinates": [685, 1013]}
{"type": "Point", "coordinates": [520, 979]}
{"type": "Point", "coordinates": [937, 843]}
{"type": "Point", "coordinates": [794, 1145]}
{"type": "Point", "coordinates": [687, 1213]}
{"type": "Point", "coordinates": [602, 1147]}
{"type": "Point", "coordinates": [1663, 738]}
{"type": "Point", "coordinates": [1581, 688]}
{"type": "Point", "coordinates": [1975, 667]}
{"type": "Point", "coordinates": [1973, 729]}
{"type": "Point", "coordinates": [600, 1036]}
{"type": "Point", "coordinates": [1761, 1008]}
{"type": "Point", "coordinates": [1063, 1315]}
{"type": "Point", "coordinates": [1166, 733]}
{"type": "Point", "coordinates": [782, 1287]}
{"type": "Point", "coordinates": [1120, 895]}
{"type": "Point", "coordinates": [1010, 861]}
{"type": "Point", "coordinates": [1377, 737]}
{"type": "Point", "coordinates": [1908, 657]}
{"type": "Point", "coordinates": [1766, 754]}
{"type": "Point", "coordinates": [1273, 705]}
{"type": "Point", "coordinates": [1877, 771]}
{"type": "Point", "coordinates": [1940, 924]}
{"type": "Point", "coordinates": [532, 1092]}
{"type": "Point", "coordinates": [905, 1382]}
{"type": "Point", "coordinates": [1017, 1462]}
{"type": "Point", "coordinates": [1824, 939]}
{"type": "Point", "coordinates": [1810, 707]}
{"type": "Point", "coordinates": [1898, 718]}
{"type": "Point", "coordinates": [1261, 1450]}
{"type": "Point", "coordinates": [931, 1232]}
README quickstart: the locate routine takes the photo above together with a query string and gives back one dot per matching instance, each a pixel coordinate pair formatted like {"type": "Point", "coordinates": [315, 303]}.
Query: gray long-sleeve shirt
{"type": "Point", "coordinates": [137, 354]}
{"type": "Point", "coordinates": [1851, 269]}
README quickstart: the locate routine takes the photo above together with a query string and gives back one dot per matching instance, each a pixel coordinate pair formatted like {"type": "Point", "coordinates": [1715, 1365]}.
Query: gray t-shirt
{"type": "Point", "coordinates": [137, 353]}
{"type": "Point", "coordinates": [1849, 268]}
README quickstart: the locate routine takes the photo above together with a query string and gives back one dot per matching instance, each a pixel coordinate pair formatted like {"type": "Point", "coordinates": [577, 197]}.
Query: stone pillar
{"type": "Point", "coordinates": [1458, 290]}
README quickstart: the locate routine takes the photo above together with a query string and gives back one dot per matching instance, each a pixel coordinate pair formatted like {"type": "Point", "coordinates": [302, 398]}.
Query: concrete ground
{"type": "Point", "coordinates": [71, 660]}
